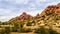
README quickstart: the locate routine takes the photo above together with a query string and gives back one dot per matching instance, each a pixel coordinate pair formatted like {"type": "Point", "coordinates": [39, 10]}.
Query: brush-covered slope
{"type": "Point", "coordinates": [49, 17]}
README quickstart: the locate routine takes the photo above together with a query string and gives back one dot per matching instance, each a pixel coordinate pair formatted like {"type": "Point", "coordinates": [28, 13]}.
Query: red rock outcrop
{"type": "Point", "coordinates": [23, 16]}
{"type": "Point", "coordinates": [55, 8]}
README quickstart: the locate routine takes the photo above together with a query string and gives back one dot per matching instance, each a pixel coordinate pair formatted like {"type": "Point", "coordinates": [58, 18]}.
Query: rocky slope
{"type": "Point", "coordinates": [49, 18]}
{"type": "Point", "coordinates": [54, 8]}
{"type": "Point", "coordinates": [49, 10]}
{"type": "Point", "coordinates": [23, 16]}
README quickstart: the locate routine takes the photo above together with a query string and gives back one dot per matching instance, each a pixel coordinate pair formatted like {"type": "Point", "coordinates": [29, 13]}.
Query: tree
{"type": "Point", "coordinates": [18, 26]}
{"type": "Point", "coordinates": [41, 30]}
{"type": "Point", "coordinates": [0, 22]}
{"type": "Point", "coordinates": [7, 30]}
{"type": "Point", "coordinates": [51, 31]}
{"type": "Point", "coordinates": [29, 23]}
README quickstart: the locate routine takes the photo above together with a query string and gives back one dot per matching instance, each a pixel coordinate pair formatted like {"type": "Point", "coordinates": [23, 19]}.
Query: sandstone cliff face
{"type": "Point", "coordinates": [54, 8]}
{"type": "Point", "coordinates": [23, 16]}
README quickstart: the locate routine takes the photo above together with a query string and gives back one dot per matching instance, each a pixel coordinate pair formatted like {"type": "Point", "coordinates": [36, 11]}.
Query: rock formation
{"type": "Point", "coordinates": [23, 16]}
{"type": "Point", "coordinates": [51, 8]}
{"type": "Point", "coordinates": [54, 8]}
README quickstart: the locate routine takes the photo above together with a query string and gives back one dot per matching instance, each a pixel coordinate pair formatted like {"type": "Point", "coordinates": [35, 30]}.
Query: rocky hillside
{"type": "Point", "coordinates": [49, 18]}
{"type": "Point", "coordinates": [23, 16]}
{"type": "Point", "coordinates": [54, 8]}
{"type": "Point", "coordinates": [49, 10]}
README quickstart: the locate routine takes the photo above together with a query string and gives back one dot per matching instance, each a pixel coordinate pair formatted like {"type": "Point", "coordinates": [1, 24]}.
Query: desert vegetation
{"type": "Point", "coordinates": [24, 26]}
{"type": "Point", "coordinates": [48, 23]}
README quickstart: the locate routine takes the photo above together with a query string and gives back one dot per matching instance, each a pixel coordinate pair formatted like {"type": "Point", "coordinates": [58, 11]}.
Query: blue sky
{"type": "Point", "coordinates": [13, 8]}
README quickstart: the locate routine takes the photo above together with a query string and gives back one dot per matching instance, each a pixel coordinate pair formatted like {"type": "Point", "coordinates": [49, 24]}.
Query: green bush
{"type": "Point", "coordinates": [51, 31]}
{"type": "Point", "coordinates": [7, 30]}
{"type": "Point", "coordinates": [43, 30]}
{"type": "Point", "coordinates": [50, 13]}
{"type": "Point", "coordinates": [26, 30]}
{"type": "Point", "coordinates": [13, 29]}
{"type": "Point", "coordinates": [29, 24]}
{"type": "Point", "coordinates": [2, 31]}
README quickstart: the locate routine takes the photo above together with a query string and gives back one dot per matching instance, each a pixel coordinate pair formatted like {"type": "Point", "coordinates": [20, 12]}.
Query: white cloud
{"type": "Point", "coordinates": [4, 11]}
{"type": "Point", "coordinates": [34, 12]}
{"type": "Point", "coordinates": [52, 3]}
{"type": "Point", "coordinates": [4, 18]}
{"type": "Point", "coordinates": [18, 1]}
{"type": "Point", "coordinates": [41, 0]}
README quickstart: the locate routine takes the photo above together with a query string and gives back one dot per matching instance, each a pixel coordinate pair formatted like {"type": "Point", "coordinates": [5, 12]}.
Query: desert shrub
{"type": "Point", "coordinates": [29, 23]}
{"type": "Point", "coordinates": [13, 29]}
{"type": "Point", "coordinates": [0, 23]}
{"type": "Point", "coordinates": [51, 31]}
{"type": "Point", "coordinates": [57, 17]}
{"type": "Point", "coordinates": [50, 13]}
{"type": "Point", "coordinates": [26, 30]}
{"type": "Point", "coordinates": [18, 25]}
{"type": "Point", "coordinates": [2, 31]}
{"type": "Point", "coordinates": [33, 21]}
{"type": "Point", "coordinates": [43, 17]}
{"type": "Point", "coordinates": [43, 30]}
{"type": "Point", "coordinates": [7, 30]}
